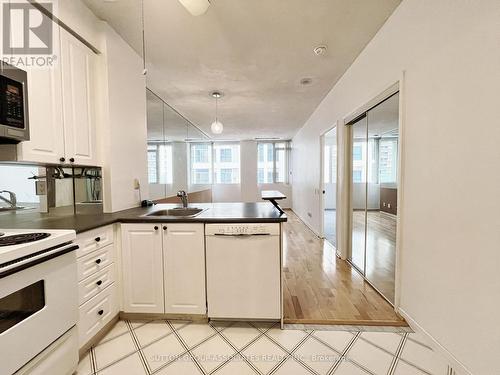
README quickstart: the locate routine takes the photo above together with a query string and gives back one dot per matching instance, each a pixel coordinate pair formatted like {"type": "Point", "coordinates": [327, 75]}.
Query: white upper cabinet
{"type": "Point", "coordinates": [184, 257]}
{"type": "Point", "coordinates": [142, 272]}
{"type": "Point", "coordinates": [61, 104]}
{"type": "Point", "coordinates": [78, 69]}
{"type": "Point", "coordinates": [46, 144]}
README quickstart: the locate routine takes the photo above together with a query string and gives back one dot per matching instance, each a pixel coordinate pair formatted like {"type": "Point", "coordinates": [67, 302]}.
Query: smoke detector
{"type": "Point", "coordinates": [320, 50]}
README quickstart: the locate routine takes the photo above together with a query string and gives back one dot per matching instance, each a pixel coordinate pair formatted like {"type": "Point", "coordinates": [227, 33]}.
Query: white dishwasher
{"type": "Point", "coordinates": [243, 271]}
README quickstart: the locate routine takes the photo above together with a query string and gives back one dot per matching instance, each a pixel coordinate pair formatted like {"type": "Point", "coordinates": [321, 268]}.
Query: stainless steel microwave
{"type": "Point", "coordinates": [14, 117]}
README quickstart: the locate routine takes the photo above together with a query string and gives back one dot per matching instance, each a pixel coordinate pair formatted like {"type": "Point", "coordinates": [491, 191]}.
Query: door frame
{"type": "Point", "coordinates": [322, 192]}
{"type": "Point", "coordinates": [399, 86]}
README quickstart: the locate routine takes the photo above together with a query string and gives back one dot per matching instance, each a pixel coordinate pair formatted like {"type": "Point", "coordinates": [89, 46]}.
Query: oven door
{"type": "Point", "coordinates": [38, 304]}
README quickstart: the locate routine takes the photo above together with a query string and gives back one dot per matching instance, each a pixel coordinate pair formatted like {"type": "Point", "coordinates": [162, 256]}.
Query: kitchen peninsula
{"type": "Point", "coordinates": [223, 262]}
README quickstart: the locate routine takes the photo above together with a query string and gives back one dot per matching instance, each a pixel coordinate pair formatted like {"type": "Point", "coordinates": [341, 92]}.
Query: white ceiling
{"type": "Point", "coordinates": [255, 51]}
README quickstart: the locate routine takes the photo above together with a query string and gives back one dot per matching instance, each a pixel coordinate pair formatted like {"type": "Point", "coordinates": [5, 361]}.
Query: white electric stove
{"type": "Point", "coordinates": [38, 302]}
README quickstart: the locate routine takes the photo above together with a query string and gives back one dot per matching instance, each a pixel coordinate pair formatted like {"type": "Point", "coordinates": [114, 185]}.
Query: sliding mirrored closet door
{"type": "Point", "coordinates": [374, 174]}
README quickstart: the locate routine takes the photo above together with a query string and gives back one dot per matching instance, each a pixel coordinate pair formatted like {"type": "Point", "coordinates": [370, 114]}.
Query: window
{"type": "Point", "coordinates": [357, 176]}
{"type": "Point", "coordinates": [273, 162]}
{"type": "Point", "coordinates": [330, 166]}
{"type": "Point", "coordinates": [388, 160]}
{"type": "Point", "coordinates": [201, 163]}
{"type": "Point", "coordinates": [160, 163]}
{"type": "Point", "coordinates": [226, 163]}
{"type": "Point", "coordinates": [217, 163]}
{"type": "Point", "coordinates": [357, 152]}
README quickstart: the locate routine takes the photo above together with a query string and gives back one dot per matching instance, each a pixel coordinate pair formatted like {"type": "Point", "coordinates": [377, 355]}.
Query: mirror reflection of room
{"type": "Point", "coordinates": [375, 140]}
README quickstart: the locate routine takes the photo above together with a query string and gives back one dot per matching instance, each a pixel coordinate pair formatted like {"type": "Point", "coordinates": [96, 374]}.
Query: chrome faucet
{"type": "Point", "coordinates": [184, 198]}
{"type": "Point", "coordinates": [12, 198]}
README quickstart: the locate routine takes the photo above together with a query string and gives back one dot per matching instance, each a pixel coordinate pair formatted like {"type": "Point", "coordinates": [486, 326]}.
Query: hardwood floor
{"type": "Point", "coordinates": [319, 288]}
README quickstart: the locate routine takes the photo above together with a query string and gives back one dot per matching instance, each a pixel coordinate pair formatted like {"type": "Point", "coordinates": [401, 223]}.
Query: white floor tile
{"type": "Point", "coordinates": [286, 338]}
{"type": "Point", "coordinates": [292, 367]}
{"type": "Point", "coordinates": [114, 349]}
{"type": "Point", "coordinates": [347, 368]}
{"type": "Point", "coordinates": [423, 357]}
{"type": "Point", "coordinates": [213, 353]}
{"type": "Point", "coordinates": [84, 366]}
{"type": "Point", "coordinates": [184, 365]}
{"type": "Point", "coordinates": [241, 334]}
{"type": "Point", "coordinates": [139, 322]}
{"type": "Point", "coordinates": [195, 333]}
{"type": "Point", "coordinates": [118, 329]}
{"type": "Point", "coordinates": [264, 326]}
{"type": "Point", "coordinates": [236, 366]}
{"type": "Point", "coordinates": [131, 365]}
{"type": "Point", "coordinates": [179, 324]}
{"type": "Point", "coordinates": [264, 354]}
{"type": "Point", "coordinates": [151, 331]}
{"type": "Point", "coordinates": [336, 339]}
{"type": "Point", "coordinates": [317, 355]}
{"type": "Point", "coordinates": [385, 340]}
{"type": "Point", "coordinates": [163, 351]}
{"type": "Point", "coordinates": [370, 357]}
{"type": "Point", "coordinates": [403, 368]}
{"type": "Point", "coordinates": [420, 338]}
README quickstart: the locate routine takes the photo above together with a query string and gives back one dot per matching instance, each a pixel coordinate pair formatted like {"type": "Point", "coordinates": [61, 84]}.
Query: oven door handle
{"type": "Point", "coordinates": [31, 260]}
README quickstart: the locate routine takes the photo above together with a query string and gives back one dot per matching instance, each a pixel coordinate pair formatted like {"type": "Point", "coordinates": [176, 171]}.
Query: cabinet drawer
{"type": "Point", "coordinates": [96, 313]}
{"type": "Point", "coordinates": [95, 262]}
{"type": "Point", "coordinates": [94, 284]}
{"type": "Point", "coordinates": [93, 240]}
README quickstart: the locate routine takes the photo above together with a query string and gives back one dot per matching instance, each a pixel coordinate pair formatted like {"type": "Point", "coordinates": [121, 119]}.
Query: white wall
{"type": "Point", "coordinates": [450, 239]}
{"type": "Point", "coordinates": [122, 125]}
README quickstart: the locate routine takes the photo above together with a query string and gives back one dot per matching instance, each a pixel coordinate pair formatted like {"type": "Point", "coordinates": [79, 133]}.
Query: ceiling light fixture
{"type": "Point", "coordinates": [196, 7]}
{"type": "Point", "coordinates": [320, 50]}
{"type": "Point", "coordinates": [217, 127]}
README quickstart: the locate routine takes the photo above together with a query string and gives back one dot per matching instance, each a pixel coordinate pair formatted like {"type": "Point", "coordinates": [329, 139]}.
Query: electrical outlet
{"type": "Point", "coordinates": [41, 187]}
{"type": "Point", "coordinates": [137, 184]}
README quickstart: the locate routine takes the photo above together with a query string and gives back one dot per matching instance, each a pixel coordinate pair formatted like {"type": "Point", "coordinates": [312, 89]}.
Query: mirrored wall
{"type": "Point", "coordinates": [169, 136]}
{"type": "Point", "coordinates": [374, 187]}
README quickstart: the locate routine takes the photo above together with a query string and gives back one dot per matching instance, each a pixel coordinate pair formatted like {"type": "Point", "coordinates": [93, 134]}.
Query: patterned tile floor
{"type": "Point", "coordinates": [174, 347]}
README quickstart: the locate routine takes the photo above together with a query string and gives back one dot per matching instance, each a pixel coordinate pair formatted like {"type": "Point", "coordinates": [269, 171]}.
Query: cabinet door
{"type": "Point", "coordinates": [184, 256]}
{"type": "Point", "coordinates": [78, 67]}
{"type": "Point", "coordinates": [142, 262]}
{"type": "Point", "coordinates": [46, 144]}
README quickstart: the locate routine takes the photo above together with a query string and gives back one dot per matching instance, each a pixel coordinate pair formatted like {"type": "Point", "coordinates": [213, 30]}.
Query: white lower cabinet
{"type": "Point", "coordinates": [142, 272]}
{"type": "Point", "coordinates": [163, 268]}
{"type": "Point", "coordinates": [184, 267]}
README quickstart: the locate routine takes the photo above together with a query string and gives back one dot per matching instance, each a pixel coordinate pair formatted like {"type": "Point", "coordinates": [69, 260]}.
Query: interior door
{"type": "Point", "coordinates": [359, 151]}
{"type": "Point", "coordinates": [383, 140]}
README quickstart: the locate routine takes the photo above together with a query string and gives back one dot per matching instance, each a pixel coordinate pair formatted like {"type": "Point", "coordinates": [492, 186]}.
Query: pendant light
{"type": "Point", "coordinates": [196, 7]}
{"type": "Point", "coordinates": [217, 127]}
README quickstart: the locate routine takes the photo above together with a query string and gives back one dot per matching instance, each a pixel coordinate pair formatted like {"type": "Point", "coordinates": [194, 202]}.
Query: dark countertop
{"type": "Point", "coordinates": [261, 212]}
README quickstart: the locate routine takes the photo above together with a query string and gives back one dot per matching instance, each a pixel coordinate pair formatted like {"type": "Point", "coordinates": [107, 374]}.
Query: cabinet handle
{"type": "Point", "coordinates": [99, 282]}
{"type": "Point", "coordinates": [97, 239]}
{"type": "Point", "coordinates": [100, 312]}
{"type": "Point", "coordinates": [98, 261]}
{"type": "Point", "coordinates": [72, 160]}
{"type": "Point", "coordinates": [156, 228]}
{"type": "Point", "coordinates": [165, 227]}
{"type": "Point", "coordinates": [62, 160]}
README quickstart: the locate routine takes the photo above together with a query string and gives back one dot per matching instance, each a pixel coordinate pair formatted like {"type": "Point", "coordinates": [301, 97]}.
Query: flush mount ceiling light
{"type": "Point", "coordinates": [320, 50]}
{"type": "Point", "coordinates": [217, 127]}
{"type": "Point", "coordinates": [196, 7]}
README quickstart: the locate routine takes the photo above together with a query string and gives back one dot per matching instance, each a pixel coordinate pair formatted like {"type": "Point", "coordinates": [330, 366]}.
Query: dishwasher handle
{"type": "Point", "coordinates": [241, 234]}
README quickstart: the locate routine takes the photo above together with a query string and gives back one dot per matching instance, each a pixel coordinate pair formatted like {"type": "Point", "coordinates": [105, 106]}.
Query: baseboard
{"type": "Point", "coordinates": [455, 366]}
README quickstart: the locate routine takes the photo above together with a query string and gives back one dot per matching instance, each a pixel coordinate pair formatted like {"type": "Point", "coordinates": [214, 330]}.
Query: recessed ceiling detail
{"type": "Point", "coordinates": [258, 51]}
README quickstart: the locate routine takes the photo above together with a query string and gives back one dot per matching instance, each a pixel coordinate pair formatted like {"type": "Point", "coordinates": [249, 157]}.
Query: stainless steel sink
{"type": "Point", "coordinates": [177, 212]}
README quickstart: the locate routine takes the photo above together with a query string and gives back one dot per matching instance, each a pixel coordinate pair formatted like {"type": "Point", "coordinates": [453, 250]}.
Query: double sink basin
{"type": "Point", "coordinates": [177, 212]}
